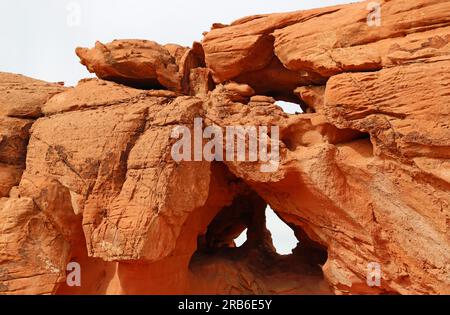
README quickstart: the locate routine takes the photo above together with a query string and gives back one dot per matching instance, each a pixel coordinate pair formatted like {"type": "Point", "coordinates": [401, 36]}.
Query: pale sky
{"type": "Point", "coordinates": [39, 37]}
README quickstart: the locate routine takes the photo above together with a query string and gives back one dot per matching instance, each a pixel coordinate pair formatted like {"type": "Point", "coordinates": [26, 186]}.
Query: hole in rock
{"type": "Point", "coordinates": [245, 214]}
{"type": "Point", "coordinates": [290, 108]}
{"type": "Point", "coordinates": [283, 237]}
{"type": "Point", "coordinates": [248, 224]}
{"type": "Point", "coordinates": [247, 238]}
{"type": "Point", "coordinates": [241, 239]}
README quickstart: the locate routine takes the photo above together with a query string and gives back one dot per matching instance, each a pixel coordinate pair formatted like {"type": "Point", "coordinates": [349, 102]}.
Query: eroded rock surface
{"type": "Point", "coordinates": [363, 174]}
{"type": "Point", "coordinates": [142, 63]}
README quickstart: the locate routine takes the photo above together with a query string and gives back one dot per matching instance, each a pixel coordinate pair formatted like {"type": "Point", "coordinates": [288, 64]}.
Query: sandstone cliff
{"type": "Point", "coordinates": [87, 175]}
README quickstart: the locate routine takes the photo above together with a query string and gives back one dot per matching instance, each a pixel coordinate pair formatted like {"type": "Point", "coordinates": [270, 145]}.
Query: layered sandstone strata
{"type": "Point", "coordinates": [363, 174]}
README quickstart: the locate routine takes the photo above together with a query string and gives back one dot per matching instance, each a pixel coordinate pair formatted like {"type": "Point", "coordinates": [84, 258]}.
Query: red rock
{"type": "Point", "coordinates": [395, 112]}
{"type": "Point", "coordinates": [33, 253]}
{"type": "Point", "coordinates": [363, 175]}
{"type": "Point", "coordinates": [21, 96]}
{"type": "Point", "coordinates": [350, 44]}
{"type": "Point", "coordinates": [10, 176]}
{"type": "Point", "coordinates": [141, 63]}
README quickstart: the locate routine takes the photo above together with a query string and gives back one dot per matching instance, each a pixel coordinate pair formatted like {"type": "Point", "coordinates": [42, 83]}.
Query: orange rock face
{"type": "Point", "coordinates": [88, 174]}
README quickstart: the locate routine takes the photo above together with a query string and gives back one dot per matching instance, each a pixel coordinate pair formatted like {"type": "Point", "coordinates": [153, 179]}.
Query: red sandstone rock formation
{"type": "Point", "coordinates": [364, 173]}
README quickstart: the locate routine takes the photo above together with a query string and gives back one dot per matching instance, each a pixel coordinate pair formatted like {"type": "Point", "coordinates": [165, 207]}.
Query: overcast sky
{"type": "Point", "coordinates": [39, 37]}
